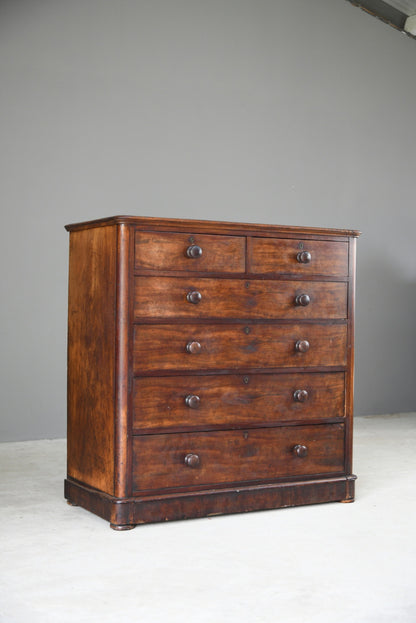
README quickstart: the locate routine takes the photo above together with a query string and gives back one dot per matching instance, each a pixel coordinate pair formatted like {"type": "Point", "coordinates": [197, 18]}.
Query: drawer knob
{"type": "Point", "coordinates": [302, 300]}
{"type": "Point", "coordinates": [300, 450]}
{"type": "Point", "coordinates": [191, 460]}
{"type": "Point", "coordinates": [301, 395]}
{"type": "Point", "coordinates": [304, 257]}
{"type": "Point", "coordinates": [194, 297]}
{"type": "Point", "coordinates": [193, 348]}
{"type": "Point", "coordinates": [194, 251]}
{"type": "Point", "coordinates": [302, 346]}
{"type": "Point", "coordinates": [192, 401]}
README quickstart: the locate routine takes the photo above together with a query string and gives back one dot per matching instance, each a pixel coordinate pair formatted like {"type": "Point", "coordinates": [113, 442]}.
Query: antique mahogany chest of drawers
{"type": "Point", "coordinates": [210, 367]}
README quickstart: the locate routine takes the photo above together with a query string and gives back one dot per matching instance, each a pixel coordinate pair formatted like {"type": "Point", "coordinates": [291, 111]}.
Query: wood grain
{"type": "Point", "coordinates": [210, 501]}
{"type": "Point", "coordinates": [220, 227]}
{"type": "Point", "coordinates": [163, 347]}
{"type": "Point", "coordinates": [234, 400]}
{"type": "Point", "coordinates": [278, 255]}
{"type": "Point", "coordinates": [91, 357]}
{"type": "Point", "coordinates": [166, 297]}
{"type": "Point", "coordinates": [236, 456]}
{"type": "Point", "coordinates": [161, 251]}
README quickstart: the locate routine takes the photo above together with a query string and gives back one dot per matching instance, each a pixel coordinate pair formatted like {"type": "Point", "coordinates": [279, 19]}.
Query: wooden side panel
{"type": "Point", "coordinates": [166, 297]}
{"type": "Point", "coordinates": [160, 461]}
{"type": "Point", "coordinates": [163, 347]}
{"type": "Point", "coordinates": [235, 400]}
{"type": "Point", "coordinates": [91, 357]}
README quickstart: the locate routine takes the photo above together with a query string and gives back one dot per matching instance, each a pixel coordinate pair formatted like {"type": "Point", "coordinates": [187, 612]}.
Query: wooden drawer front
{"type": "Point", "coordinates": [166, 251]}
{"type": "Point", "coordinates": [170, 297]}
{"type": "Point", "coordinates": [162, 461]}
{"type": "Point", "coordinates": [234, 400]}
{"type": "Point", "coordinates": [164, 347]}
{"type": "Point", "coordinates": [274, 255]}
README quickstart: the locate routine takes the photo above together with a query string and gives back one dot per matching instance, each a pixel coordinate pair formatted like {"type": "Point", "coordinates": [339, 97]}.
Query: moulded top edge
{"type": "Point", "coordinates": [177, 224]}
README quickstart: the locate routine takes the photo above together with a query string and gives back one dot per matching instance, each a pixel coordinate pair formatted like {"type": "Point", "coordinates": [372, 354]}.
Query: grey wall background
{"type": "Point", "coordinates": [299, 113]}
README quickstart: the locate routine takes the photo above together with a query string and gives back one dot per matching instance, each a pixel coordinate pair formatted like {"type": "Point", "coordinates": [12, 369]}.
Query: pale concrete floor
{"type": "Point", "coordinates": [327, 563]}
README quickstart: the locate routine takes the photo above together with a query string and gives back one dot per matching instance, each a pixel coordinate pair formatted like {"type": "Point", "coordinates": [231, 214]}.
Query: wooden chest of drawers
{"type": "Point", "coordinates": [210, 368]}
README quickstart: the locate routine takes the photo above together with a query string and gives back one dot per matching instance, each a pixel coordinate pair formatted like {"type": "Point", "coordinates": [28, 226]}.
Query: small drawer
{"type": "Point", "coordinates": [212, 346]}
{"type": "Point", "coordinates": [185, 298]}
{"type": "Point", "coordinates": [234, 400]}
{"type": "Point", "coordinates": [195, 459]}
{"type": "Point", "coordinates": [184, 252]}
{"type": "Point", "coordinates": [299, 257]}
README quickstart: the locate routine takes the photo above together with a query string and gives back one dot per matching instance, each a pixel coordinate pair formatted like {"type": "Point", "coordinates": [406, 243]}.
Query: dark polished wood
{"type": "Point", "coordinates": [159, 251]}
{"type": "Point", "coordinates": [166, 347]}
{"type": "Point", "coordinates": [151, 223]}
{"type": "Point", "coordinates": [192, 460]}
{"type": "Point", "coordinates": [210, 367]}
{"type": "Point", "coordinates": [235, 456]}
{"type": "Point", "coordinates": [194, 251]}
{"type": "Point", "coordinates": [300, 450]}
{"type": "Point", "coordinates": [233, 400]}
{"type": "Point", "coordinates": [192, 297]}
{"type": "Point", "coordinates": [123, 527]}
{"type": "Point", "coordinates": [170, 297]}
{"type": "Point", "coordinates": [192, 401]}
{"type": "Point", "coordinates": [303, 300]}
{"type": "Point", "coordinates": [193, 348]}
{"type": "Point", "coordinates": [301, 395]}
{"type": "Point", "coordinates": [274, 255]}
{"type": "Point", "coordinates": [304, 257]}
{"type": "Point", "coordinates": [91, 357]}
{"type": "Point", "coordinates": [125, 513]}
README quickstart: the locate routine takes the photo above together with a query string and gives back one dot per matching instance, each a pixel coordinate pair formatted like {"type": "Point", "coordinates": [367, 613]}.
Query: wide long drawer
{"type": "Point", "coordinates": [212, 346]}
{"type": "Point", "coordinates": [304, 257]}
{"type": "Point", "coordinates": [191, 298]}
{"type": "Point", "coordinates": [176, 460]}
{"type": "Point", "coordinates": [235, 400]}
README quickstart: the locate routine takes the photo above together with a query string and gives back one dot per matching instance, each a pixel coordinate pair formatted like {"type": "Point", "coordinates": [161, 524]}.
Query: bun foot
{"type": "Point", "coordinates": [347, 501]}
{"type": "Point", "coordinates": [127, 526]}
{"type": "Point", "coordinates": [71, 503]}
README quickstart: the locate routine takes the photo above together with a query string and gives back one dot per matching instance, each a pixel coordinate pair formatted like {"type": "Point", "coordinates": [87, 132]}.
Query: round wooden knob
{"type": "Point", "coordinates": [194, 251]}
{"type": "Point", "coordinates": [302, 300]}
{"type": "Point", "coordinates": [304, 257]}
{"type": "Point", "coordinates": [192, 401]}
{"type": "Point", "coordinates": [300, 395]}
{"type": "Point", "coordinates": [300, 450]}
{"type": "Point", "coordinates": [193, 348]}
{"type": "Point", "coordinates": [191, 460]}
{"type": "Point", "coordinates": [302, 346]}
{"type": "Point", "coordinates": [194, 297]}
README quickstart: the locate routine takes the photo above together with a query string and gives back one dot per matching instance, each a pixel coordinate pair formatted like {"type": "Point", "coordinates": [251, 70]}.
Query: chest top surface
{"type": "Point", "coordinates": [220, 227]}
